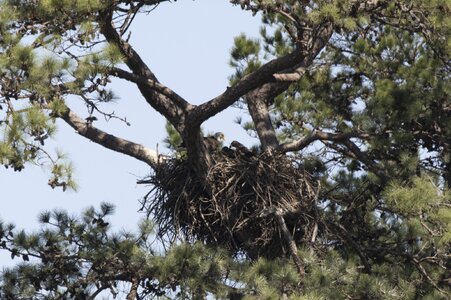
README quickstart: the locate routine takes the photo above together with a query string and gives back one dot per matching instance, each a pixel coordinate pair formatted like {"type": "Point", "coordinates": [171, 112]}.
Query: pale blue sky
{"type": "Point", "coordinates": [187, 45]}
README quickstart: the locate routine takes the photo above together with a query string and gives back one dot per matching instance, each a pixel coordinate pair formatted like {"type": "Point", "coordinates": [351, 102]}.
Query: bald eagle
{"type": "Point", "coordinates": [213, 143]}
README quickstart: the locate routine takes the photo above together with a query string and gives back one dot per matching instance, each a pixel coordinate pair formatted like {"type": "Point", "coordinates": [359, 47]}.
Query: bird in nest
{"type": "Point", "coordinates": [212, 142]}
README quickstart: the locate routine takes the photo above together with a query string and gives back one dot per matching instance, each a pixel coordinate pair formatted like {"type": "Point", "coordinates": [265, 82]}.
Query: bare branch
{"type": "Point", "coordinates": [132, 295]}
{"type": "Point", "coordinates": [353, 151]}
{"type": "Point", "coordinates": [98, 291]}
{"type": "Point", "coordinates": [155, 85]}
{"type": "Point", "coordinates": [279, 218]}
{"type": "Point", "coordinates": [161, 103]}
{"type": "Point", "coordinates": [293, 76]}
{"type": "Point", "coordinates": [342, 138]}
{"type": "Point", "coordinates": [293, 62]}
{"type": "Point", "coordinates": [110, 141]}
{"type": "Point", "coordinates": [317, 136]}
{"type": "Point", "coordinates": [363, 157]}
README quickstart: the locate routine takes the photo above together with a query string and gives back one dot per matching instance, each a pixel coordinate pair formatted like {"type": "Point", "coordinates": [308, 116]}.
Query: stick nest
{"type": "Point", "coordinates": [235, 207]}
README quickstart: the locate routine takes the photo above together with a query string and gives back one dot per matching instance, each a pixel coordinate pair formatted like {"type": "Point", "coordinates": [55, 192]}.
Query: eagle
{"type": "Point", "coordinates": [214, 142]}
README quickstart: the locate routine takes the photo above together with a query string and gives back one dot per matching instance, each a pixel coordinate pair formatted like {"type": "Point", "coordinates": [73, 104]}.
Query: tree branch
{"type": "Point", "coordinates": [278, 214]}
{"type": "Point", "coordinates": [293, 62]}
{"type": "Point", "coordinates": [347, 236]}
{"type": "Point", "coordinates": [292, 76]}
{"type": "Point", "coordinates": [132, 295]}
{"type": "Point", "coordinates": [155, 85]}
{"type": "Point", "coordinates": [159, 101]}
{"type": "Point", "coordinates": [317, 136]}
{"type": "Point", "coordinates": [246, 84]}
{"type": "Point", "coordinates": [363, 157]}
{"type": "Point", "coordinates": [341, 138]}
{"type": "Point", "coordinates": [109, 141]}
{"type": "Point", "coordinates": [353, 151]}
{"type": "Point", "coordinates": [257, 102]}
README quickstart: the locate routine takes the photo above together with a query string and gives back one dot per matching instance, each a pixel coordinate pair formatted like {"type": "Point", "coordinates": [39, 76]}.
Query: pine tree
{"type": "Point", "coordinates": [346, 196]}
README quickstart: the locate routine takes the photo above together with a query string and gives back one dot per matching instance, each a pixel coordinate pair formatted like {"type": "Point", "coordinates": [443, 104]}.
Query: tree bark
{"type": "Point", "coordinates": [257, 102]}
{"type": "Point", "coordinates": [291, 244]}
{"type": "Point", "coordinates": [87, 130]}
{"type": "Point", "coordinates": [132, 295]}
{"type": "Point", "coordinates": [447, 175]}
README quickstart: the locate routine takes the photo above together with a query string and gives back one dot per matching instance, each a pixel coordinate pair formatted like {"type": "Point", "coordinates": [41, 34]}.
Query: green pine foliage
{"type": "Point", "coordinates": [173, 140]}
{"type": "Point", "coordinates": [71, 256]}
{"type": "Point", "coordinates": [383, 210]}
{"type": "Point", "coordinates": [30, 70]}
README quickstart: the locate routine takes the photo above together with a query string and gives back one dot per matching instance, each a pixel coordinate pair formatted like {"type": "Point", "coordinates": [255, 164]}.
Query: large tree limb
{"type": "Point", "coordinates": [155, 85]}
{"type": "Point", "coordinates": [293, 62]}
{"type": "Point", "coordinates": [246, 84]}
{"type": "Point", "coordinates": [291, 76]}
{"type": "Point", "coordinates": [257, 103]}
{"type": "Point", "coordinates": [110, 141]}
{"type": "Point", "coordinates": [160, 102]}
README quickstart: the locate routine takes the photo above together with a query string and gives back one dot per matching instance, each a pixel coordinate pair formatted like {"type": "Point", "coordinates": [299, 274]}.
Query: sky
{"type": "Point", "coordinates": [187, 45]}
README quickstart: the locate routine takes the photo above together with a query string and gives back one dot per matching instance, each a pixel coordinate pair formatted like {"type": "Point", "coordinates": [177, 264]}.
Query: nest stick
{"type": "Point", "coordinates": [291, 244]}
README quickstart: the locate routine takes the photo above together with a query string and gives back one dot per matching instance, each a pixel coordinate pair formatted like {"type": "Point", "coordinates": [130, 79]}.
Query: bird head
{"type": "Point", "coordinates": [220, 137]}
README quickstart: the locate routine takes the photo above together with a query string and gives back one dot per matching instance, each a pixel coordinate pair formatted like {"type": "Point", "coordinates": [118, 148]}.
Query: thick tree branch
{"type": "Point", "coordinates": [246, 84]}
{"type": "Point", "coordinates": [257, 102]}
{"type": "Point", "coordinates": [109, 141]}
{"type": "Point", "coordinates": [160, 102]}
{"type": "Point", "coordinates": [155, 85]}
{"type": "Point", "coordinates": [293, 62]}
{"type": "Point", "coordinates": [292, 76]}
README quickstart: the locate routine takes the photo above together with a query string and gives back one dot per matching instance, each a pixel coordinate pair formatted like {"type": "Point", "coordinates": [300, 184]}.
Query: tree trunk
{"type": "Point", "coordinates": [132, 295]}
{"type": "Point", "coordinates": [198, 156]}
{"type": "Point", "coordinates": [447, 174]}
{"type": "Point", "coordinates": [257, 102]}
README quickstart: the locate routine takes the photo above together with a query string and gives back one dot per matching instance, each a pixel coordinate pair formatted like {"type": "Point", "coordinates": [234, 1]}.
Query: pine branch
{"type": "Point", "coordinates": [110, 141]}
{"type": "Point", "coordinates": [296, 60]}
{"type": "Point", "coordinates": [317, 136]}
{"type": "Point", "coordinates": [133, 294]}
{"type": "Point", "coordinates": [155, 85]}
{"type": "Point", "coordinates": [164, 105]}
{"type": "Point", "coordinates": [257, 102]}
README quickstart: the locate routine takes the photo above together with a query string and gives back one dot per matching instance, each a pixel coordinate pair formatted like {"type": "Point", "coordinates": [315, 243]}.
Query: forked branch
{"type": "Point", "coordinates": [159, 101]}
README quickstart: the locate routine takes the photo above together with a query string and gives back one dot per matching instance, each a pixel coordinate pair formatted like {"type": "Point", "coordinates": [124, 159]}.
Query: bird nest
{"type": "Point", "coordinates": [235, 206]}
